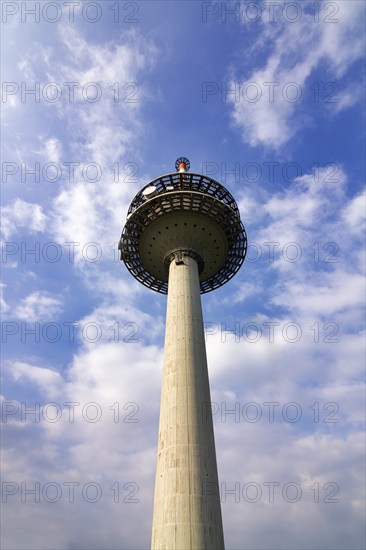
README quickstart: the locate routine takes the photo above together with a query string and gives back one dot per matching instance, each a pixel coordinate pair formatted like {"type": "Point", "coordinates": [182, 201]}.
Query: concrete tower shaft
{"type": "Point", "coordinates": [187, 513]}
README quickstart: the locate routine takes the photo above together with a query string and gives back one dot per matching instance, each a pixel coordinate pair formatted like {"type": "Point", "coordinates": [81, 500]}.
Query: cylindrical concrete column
{"type": "Point", "coordinates": [187, 512]}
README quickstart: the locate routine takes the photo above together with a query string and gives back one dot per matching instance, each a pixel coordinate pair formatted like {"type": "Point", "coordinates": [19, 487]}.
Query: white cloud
{"type": "Point", "coordinates": [53, 150]}
{"type": "Point", "coordinates": [294, 213]}
{"type": "Point", "coordinates": [105, 133]}
{"type": "Point", "coordinates": [109, 376]}
{"type": "Point", "coordinates": [123, 322]}
{"type": "Point", "coordinates": [274, 117]}
{"type": "Point", "coordinates": [307, 464]}
{"type": "Point", "coordinates": [104, 129]}
{"type": "Point", "coordinates": [4, 305]}
{"type": "Point", "coordinates": [308, 253]}
{"type": "Point", "coordinates": [354, 214]}
{"type": "Point", "coordinates": [121, 380]}
{"type": "Point", "coordinates": [26, 67]}
{"type": "Point", "coordinates": [41, 376]}
{"type": "Point", "coordinates": [39, 306]}
{"type": "Point", "coordinates": [348, 97]}
{"type": "Point", "coordinates": [326, 295]}
{"type": "Point", "coordinates": [25, 215]}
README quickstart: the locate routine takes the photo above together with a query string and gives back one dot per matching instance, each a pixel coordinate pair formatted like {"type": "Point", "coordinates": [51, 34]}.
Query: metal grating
{"type": "Point", "coordinates": [184, 192]}
{"type": "Point", "coordinates": [186, 181]}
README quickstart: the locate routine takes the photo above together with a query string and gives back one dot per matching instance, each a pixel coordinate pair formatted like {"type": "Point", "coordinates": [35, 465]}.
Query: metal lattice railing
{"type": "Point", "coordinates": [184, 192]}
{"type": "Point", "coordinates": [186, 182]}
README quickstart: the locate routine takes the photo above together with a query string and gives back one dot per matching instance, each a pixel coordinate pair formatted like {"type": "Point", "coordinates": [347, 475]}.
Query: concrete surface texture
{"type": "Point", "coordinates": [187, 512]}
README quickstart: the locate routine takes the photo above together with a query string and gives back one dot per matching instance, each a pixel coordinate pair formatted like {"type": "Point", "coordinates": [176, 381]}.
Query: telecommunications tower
{"type": "Point", "coordinates": [183, 236]}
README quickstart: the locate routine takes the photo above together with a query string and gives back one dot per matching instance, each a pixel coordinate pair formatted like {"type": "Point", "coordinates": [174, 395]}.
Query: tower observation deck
{"type": "Point", "coordinates": [183, 237]}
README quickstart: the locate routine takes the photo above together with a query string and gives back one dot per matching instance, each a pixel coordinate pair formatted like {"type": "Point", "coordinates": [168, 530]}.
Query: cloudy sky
{"type": "Point", "coordinates": [99, 98]}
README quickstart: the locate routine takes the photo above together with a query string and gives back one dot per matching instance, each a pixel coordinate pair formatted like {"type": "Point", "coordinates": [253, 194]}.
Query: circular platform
{"type": "Point", "coordinates": [187, 211]}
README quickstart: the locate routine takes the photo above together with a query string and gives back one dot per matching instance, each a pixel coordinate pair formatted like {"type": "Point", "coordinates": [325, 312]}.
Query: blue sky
{"type": "Point", "coordinates": [268, 100]}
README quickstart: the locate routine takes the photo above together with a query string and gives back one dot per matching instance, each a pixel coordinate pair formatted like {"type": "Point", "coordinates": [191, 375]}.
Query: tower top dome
{"type": "Point", "coordinates": [183, 211]}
